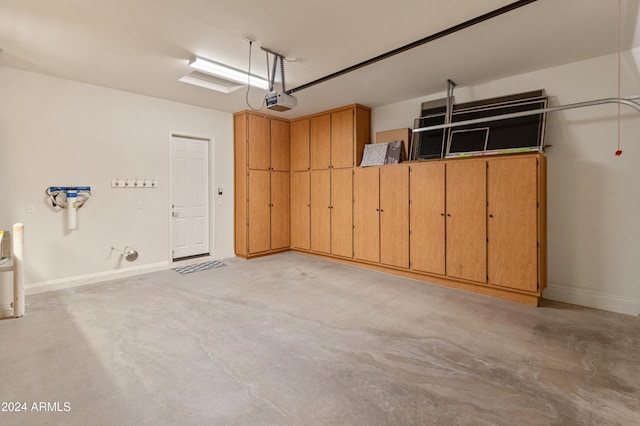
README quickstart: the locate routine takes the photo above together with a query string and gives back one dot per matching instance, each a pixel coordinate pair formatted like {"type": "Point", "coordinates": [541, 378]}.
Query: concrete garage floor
{"type": "Point", "coordinates": [296, 340]}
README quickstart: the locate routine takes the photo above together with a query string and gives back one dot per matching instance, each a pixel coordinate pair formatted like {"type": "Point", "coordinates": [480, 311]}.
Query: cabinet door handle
{"type": "Point", "coordinates": [448, 214]}
{"type": "Point", "coordinates": [441, 214]}
{"type": "Point", "coordinates": [381, 210]}
{"type": "Point", "coordinates": [490, 215]}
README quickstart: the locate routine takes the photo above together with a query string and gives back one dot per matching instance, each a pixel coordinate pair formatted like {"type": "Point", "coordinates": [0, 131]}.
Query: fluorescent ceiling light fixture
{"type": "Point", "coordinates": [209, 82]}
{"type": "Point", "coordinates": [226, 72]}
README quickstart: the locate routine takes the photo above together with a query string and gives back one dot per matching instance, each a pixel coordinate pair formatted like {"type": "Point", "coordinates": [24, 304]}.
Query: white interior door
{"type": "Point", "coordinates": [190, 196]}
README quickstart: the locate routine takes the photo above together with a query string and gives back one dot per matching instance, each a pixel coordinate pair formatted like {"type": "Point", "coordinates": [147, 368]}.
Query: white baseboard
{"type": "Point", "coordinates": [80, 280]}
{"type": "Point", "coordinates": [592, 298]}
{"type": "Point", "coordinates": [70, 282]}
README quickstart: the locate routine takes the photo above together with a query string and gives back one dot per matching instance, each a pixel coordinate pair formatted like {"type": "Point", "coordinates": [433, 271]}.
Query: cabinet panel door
{"type": "Point", "coordinates": [320, 211]}
{"type": "Point", "coordinates": [300, 145]}
{"type": "Point", "coordinates": [300, 210]}
{"type": "Point", "coordinates": [394, 215]}
{"type": "Point", "coordinates": [240, 183]}
{"type": "Point", "coordinates": [512, 223]}
{"type": "Point", "coordinates": [342, 138]}
{"type": "Point", "coordinates": [279, 210]}
{"type": "Point", "coordinates": [466, 226]}
{"type": "Point", "coordinates": [279, 145]}
{"type": "Point", "coordinates": [320, 141]}
{"type": "Point", "coordinates": [259, 211]}
{"type": "Point", "coordinates": [259, 142]}
{"type": "Point", "coordinates": [342, 212]}
{"type": "Point", "coordinates": [366, 215]}
{"type": "Point", "coordinates": [427, 218]}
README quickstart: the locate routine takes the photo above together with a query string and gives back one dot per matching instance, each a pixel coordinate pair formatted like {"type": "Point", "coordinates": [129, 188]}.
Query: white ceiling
{"type": "Point", "coordinates": [144, 46]}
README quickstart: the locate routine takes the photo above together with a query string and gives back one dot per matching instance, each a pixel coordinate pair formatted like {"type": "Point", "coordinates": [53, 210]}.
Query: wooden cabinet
{"type": "Point", "coordinates": [512, 224]}
{"type": "Point", "coordinates": [366, 214]}
{"type": "Point", "coordinates": [427, 217]}
{"type": "Point", "coordinates": [321, 211]}
{"type": "Point", "coordinates": [258, 141]}
{"type": "Point", "coordinates": [259, 217]}
{"type": "Point", "coordinates": [342, 212]}
{"type": "Point", "coordinates": [267, 141]}
{"type": "Point", "coordinates": [492, 231]}
{"type": "Point", "coordinates": [381, 215]}
{"type": "Point", "coordinates": [279, 210]}
{"type": "Point", "coordinates": [280, 140]}
{"type": "Point", "coordinates": [337, 137]}
{"type": "Point", "coordinates": [477, 223]}
{"type": "Point", "coordinates": [331, 212]}
{"type": "Point", "coordinates": [394, 215]}
{"type": "Point", "coordinates": [300, 134]}
{"type": "Point", "coordinates": [301, 210]}
{"type": "Point", "coordinates": [268, 219]}
{"type": "Point", "coordinates": [466, 220]}
{"type": "Point", "coordinates": [320, 141]}
{"type": "Point", "coordinates": [342, 134]}
{"type": "Point", "coordinates": [261, 151]}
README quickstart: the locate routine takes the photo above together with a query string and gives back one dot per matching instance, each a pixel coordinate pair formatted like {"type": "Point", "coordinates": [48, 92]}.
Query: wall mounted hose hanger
{"type": "Point", "coordinates": [128, 253]}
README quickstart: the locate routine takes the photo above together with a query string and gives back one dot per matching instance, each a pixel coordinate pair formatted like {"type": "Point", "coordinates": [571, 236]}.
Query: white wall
{"type": "Point", "coordinates": [56, 132]}
{"type": "Point", "coordinates": [593, 196]}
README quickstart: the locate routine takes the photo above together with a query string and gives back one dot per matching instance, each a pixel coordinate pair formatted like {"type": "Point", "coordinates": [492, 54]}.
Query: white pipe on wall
{"type": "Point", "coordinates": [18, 269]}
{"type": "Point", "coordinates": [72, 207]}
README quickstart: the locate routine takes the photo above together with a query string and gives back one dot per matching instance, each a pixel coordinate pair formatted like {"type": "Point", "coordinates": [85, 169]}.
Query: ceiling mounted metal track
{"type": "Point", "coordinates": [428, 39]}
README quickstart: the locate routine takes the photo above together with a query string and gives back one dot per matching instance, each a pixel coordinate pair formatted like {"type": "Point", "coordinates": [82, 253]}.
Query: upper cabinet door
{"type": "Point", "coordinates": [300, 145]}
{"type": "Point", "coordinates": [320, 141]}
{"type": "Point", "coordinates": [342, 138]}
{"type": "Point", "coordinates": [279, 145]}
{"type": "Point", "coordinates": [259, 142]}
{"type": "Point", "coordinates": [513, 223]}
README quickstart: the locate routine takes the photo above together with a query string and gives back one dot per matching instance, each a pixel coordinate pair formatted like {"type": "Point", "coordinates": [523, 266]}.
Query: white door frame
{"type": "Point", "coordinates": [210, 142]}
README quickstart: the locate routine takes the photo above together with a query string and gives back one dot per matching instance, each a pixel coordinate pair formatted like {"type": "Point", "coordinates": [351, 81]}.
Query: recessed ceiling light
{"type": "Point", "coordinates": [228, 73]}
{"type": "Point", "coordinates": [210, 82]}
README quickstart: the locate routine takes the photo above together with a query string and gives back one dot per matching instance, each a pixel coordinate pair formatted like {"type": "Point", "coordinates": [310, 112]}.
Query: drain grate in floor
{"type": "Point", "coordinates": [198, 267]}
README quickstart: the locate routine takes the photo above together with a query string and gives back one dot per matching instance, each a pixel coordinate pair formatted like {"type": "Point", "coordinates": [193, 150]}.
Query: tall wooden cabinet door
{"type": "Point", "coordinates": [320, 211]}
{"type": "Point", "coordinates": [342, 138]}
{"type": "Point", "coordinates": [320, 141]}
{"type": "Point", "coordinates": [279, 210]}
{"type": "Point", "coordinates": [466, 226]}
{"type": "Point", "coordinates": [259, 211]}
{"type": "Point", "coordinates": [366, 214]}
{"type": "Point", "coordinates": [259, 142]}
{"type": "Point", "coordinates": [342, 212]}
{"type": "Point", "coordinates": [394, 215]}
{"type": "Point", "coordinates": [512, 223]}
{"type": "Point", "coordinates": [279, 145]}
{"type": "Point", "coordinates": [300, 210]}
{"type": "Point", "coordinates": [240, 183]}
{"type": "Point", "coordinates": [300, 145]}
{"type": "Point", "coordinates": [427, 218]}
